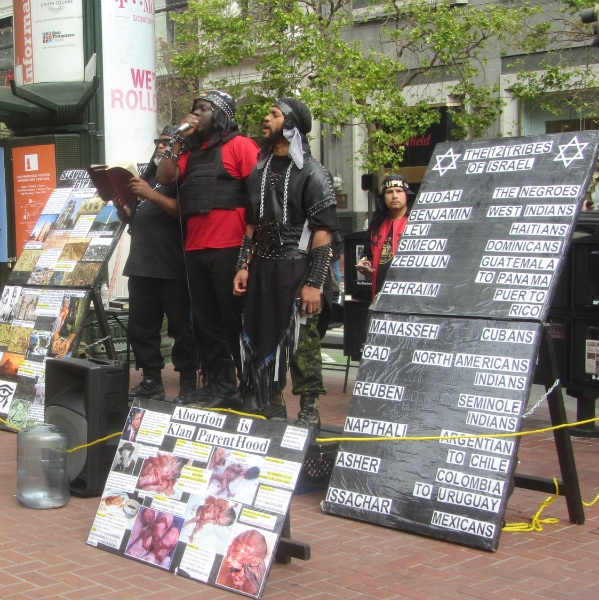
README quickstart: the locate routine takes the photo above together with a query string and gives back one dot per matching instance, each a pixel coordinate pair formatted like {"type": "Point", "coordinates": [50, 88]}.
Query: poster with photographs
{"type": "Point", "coordinates": [35, 323]}
{"type": "Point", "coordinates": [201, 494]}
{"type": "Point", "coordinates": [74, 235]}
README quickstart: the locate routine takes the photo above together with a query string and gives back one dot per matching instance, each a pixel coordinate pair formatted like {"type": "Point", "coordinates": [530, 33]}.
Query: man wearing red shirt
{"type": "Point", "coordinates": [212, 159]}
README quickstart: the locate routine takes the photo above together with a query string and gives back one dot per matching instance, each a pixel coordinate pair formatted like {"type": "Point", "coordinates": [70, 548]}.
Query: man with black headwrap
{"type": "Point", "coordinates": [283, 263]}
{"type": "Point", "coordinates": [157, 281]}
{"type": "Point", "coordinates": [213, 160]}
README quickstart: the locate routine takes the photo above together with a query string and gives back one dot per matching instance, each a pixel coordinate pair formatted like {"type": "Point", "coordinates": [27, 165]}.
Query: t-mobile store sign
{"type": "Point", "coordinates": [129, 79]}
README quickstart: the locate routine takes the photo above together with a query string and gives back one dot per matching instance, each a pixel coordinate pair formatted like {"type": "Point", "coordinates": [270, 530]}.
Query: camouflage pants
{"type": "Point", "coordinates": [306, 364]}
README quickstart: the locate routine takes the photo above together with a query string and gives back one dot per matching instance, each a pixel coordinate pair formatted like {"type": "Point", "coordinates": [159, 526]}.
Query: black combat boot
{"type": "Point", "coordinates": [187, 388]}
{"type": "Point", "coordinates": [308, 414]}
{"type": "Point", "coordinates": [250, 402]}
{"type": "Point", "coordinates": [227, 393]}
{"type": "Point", "coordinates": [150, 387]}
{"type": "Point", "coordinates": [207, 392]}
{"type": "Point", "coordinates": [276, 407]}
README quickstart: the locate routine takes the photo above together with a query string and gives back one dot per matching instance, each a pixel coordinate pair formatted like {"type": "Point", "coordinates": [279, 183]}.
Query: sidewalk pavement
{"type": "Point", "coordinates": [44, 554]}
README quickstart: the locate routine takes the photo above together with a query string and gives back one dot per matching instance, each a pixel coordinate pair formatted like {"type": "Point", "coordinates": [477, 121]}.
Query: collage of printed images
{"type": "Point", "coordinates": [35, 324]}
{"type": "Point", "coordinates": [73, 236]}
{"type": "Point", "coordinates": [208, 519]}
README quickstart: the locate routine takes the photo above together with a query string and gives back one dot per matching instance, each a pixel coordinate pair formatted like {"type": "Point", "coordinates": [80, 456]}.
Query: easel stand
{"type": "Point", "coordinates": [569, 485]}
{"type": "Point", "coordinates": [288, 548]}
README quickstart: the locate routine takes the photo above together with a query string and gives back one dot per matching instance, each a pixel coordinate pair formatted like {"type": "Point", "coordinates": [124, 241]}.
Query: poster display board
{"type": "Point", "coordinates": [490, 226]}
{"type": "Point", "coordinates": [75, 233]}
{"type": "Point", "coordinates": [201, 494]}
{"type": "Point", "coordinates": [34, 177]}
{"type": "Point", "coordinates": [3, 213]}
{"type": "Point", "coordinates": [435, 376]}
{"type": "Point", "coordinates": [48, 38]}
{"type": "Point", "coordinates": [35, 324]}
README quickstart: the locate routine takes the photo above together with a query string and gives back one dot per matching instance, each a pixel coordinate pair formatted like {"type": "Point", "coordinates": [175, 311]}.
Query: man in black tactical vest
{"type": "Point", "coordinates": [212, 159]}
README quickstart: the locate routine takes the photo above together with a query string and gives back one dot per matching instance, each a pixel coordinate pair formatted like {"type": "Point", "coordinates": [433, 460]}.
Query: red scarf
{"type": "Point", "coordinates": [378, 239]}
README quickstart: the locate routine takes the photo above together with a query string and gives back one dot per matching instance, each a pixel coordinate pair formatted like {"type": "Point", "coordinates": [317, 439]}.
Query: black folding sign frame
{"type": "Point", "coordinates": [454, 337]}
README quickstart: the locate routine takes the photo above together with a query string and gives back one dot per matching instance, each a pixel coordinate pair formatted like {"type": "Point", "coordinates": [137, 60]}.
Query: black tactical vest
{"type": "Point", "coordinates": [208, 185]}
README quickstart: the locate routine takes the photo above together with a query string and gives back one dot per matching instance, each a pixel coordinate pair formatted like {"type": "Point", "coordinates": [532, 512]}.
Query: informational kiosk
{"type": "Point", "coordinates": [454, 338]}
{"type": "Point", "coordinates": [45, 302]}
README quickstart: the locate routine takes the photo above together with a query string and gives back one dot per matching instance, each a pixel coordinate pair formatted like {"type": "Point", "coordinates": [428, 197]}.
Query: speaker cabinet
{"type": "Point", "coordinates": [88, 398]}
{"type": "Point", "coordinates": [355, 328]}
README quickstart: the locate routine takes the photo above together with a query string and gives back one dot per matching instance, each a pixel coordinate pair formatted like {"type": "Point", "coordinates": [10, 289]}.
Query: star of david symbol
{"type": "Point", "coordinates": [443, 167]}
{"type": "Point", "coordinates": [563, 150]}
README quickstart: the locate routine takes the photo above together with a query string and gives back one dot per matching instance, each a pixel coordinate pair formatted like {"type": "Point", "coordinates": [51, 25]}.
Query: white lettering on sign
{"type": "Point", "coordinates": [508, 151]}
{"type": "Point", "coordinates": [232, 440]}
{"type": "Point", "coordinates": [463, 524]}
{"type": "Point", "coordinates": [489, 463]}
{"type": "Point", "coordinates": [422, 244]}
{"type": "Point", "coordinates": [359, 501]}
{"type": "Point", "coordinates": [524, 310]}
{"type": "Point", "coordinates": [506, 382]}
{"type": "Point", "coordinates": [441, 214]}
{"type": "Point", "coordinates": [376, 353]}
{"type": "Point", "coordinates": [508, 336]}
{"type": "Point", "coordinates": [488, 421]}
{"type": "Point", "coordinates": [550, 191]}
{"type": "Point", "coordinates": [496, 446]}
{"type": "Point", "coordinates": [439, 197]}
{"type": "Point", "coordinates": [511, 295]}
{"type": "Point", "coordinates": [418, 229]}
{"type": "Point", "coordinates": [472, 482]}
{"type": "Point", "coordinates": [493, 363]}
{"type": "Point", "coordinates": [524, 279]}
{"type": "Point", "coordinates": [411, 288]}
{"type": "Point", "coordinates": [504, 211]}
{"type": "Point", "coordinates": [438, 359]}
{"type": "Point", "coordinates": [524, 246]}
{"type": "Point", "coordinates": [550, 210]}
{"type": "Point", "coordinates": [421, 261]}
{"type": "Point", "coordinates": [455, 457]}
{"type": "Point", "coordinates": [508, 166]}
{"type": "Point", "coordinates": [428, 331]}
{"type": "Point", "coordinates": [359, 462]}
{"type": "Point", "coordinates": [505, 192]}
{"type": "Point", "coordinates": [469, 499]}
{"type": "Point", "coordinates": [542, 229]}
{"type": "Point", "coordinates": [201, 417]}
{"type": "Point", "coordinates": [490, 404]}
{"type": "Point", "coordinates": [530, 263]}
{"type": "Point", "coordinates": [485, 277]}
{"type": "Point", "coordinates": [372, 427]}
{"type": "Point", "coordinates": [423, 490]}
{"type": "Point", "coordinates": [379, 390]}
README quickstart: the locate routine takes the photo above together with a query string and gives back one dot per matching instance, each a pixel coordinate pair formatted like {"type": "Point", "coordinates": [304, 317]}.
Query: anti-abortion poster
{"type": "Point", "coordinates": [490, 226]}
{"type": "Point", "coordinates": [201, 494]}
{"type": "Point", "coordinates": [35, 324]}
{"type": "Point", "coordinates": [443, 377]}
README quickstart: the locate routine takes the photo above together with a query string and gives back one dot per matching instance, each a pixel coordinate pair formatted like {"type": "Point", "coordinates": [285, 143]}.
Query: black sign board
{"type": "Point", "coordinates": [490, 226]}
{"type": "Point", "coordinates": [202, 494]}
{"type": "Point", "coordinates": [435, 376]}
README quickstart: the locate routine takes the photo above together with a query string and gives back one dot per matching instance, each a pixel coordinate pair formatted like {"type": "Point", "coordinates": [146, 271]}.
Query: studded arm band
{"type": "Point", "coordinates": [244, 252]}
{"type": "Point", "coordinates": [319, 267]}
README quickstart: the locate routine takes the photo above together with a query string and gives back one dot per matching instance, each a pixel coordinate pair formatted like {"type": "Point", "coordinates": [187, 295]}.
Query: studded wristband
{"type": "Point", "coordinates": [244, 252]}
{"type": "Point", "coordinates": [319, 267]}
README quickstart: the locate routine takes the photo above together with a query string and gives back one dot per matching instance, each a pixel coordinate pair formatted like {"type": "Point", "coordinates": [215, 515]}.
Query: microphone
{"type": "Point", "coordinates": [183, 127]}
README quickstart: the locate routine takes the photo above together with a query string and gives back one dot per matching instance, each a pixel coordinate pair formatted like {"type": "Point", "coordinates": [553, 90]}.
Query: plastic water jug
{"type": "Point", "coordinates": [42, 479]}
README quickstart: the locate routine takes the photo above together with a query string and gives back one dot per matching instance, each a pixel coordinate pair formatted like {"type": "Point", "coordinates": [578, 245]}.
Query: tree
{"type": "Point", "coordinates": [323, 52]}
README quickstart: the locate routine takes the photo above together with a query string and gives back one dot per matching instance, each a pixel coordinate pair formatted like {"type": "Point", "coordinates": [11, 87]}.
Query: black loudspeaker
{"type": "Point", "coordinates": [88, 398]}
{"type": "Point", "coordinates": [355, 327]}
{"type": "Point", "coordinates": [369, 182]}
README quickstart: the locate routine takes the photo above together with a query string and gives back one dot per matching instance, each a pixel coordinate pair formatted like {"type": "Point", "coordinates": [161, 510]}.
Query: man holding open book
{"type": "Point", "coordinates": [157, 280]}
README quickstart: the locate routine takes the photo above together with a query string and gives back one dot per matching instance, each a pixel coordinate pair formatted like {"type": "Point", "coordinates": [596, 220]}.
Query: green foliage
{"type": "Point", "coordinates": [325, 52]}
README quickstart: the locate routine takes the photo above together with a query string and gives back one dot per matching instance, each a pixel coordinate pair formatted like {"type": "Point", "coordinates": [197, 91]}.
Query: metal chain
{"type": "Point", "coordinates": [99, 341]}
{"type": "Point", "coordinates": [263, 188]}
{"type": "Point", "coordinates": [543, 397]}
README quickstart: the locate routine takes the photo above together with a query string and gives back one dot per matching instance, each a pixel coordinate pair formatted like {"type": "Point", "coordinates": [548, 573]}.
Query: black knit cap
{"type": "Point", "coordinates": [170, 130]}
{"type": "Point", "coordinates": [220, 100]}
{"type": "Point", "coordinates": [296, 113]}
{"type": "Point", "coordinates": [396, 181]}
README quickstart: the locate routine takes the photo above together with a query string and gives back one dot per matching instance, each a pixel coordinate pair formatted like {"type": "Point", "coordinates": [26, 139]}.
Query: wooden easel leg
{"type": "Point", "coordinates": [563, 442]}
{"type": "Point", "coordinates": [288, 548]}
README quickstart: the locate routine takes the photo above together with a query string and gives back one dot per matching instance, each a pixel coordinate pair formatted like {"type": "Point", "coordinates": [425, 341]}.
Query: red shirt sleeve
{"type": "Point", "coordinates": [239, 156]}
{"type": "Point", "coordinates": [182, 162]}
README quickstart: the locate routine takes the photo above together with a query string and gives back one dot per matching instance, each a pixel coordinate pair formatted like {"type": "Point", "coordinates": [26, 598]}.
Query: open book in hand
{"type": "Point", "coordinates": [111, 179]}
